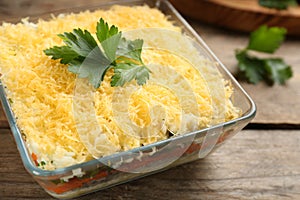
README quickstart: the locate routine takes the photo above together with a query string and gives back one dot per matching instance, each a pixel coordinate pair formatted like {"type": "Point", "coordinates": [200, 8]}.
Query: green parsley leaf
{"type": "Point", "coordinates": [109, 38]}
{"type": "Point", "coordinates": [277, 70]}
{"type": "Point", "coordinates": [82, 42]}
{"type": "Point", "coordinates": [272, 70]}
{"type": "Point", "coordinates": [104, 32]}
{"type": "Point", "coordinates": [93, 68]}
{"type": "Point", "coordinates": [129, 63]}
{"type": "Point", "coordinates": [65, 53]}
{"type": "Point", "coordinates": [125, 72]}
{"type": "Point", "coordinates": [89, 60]}
{"type": "Point", "coordinates": [278, 4]}
{"type": "Point", "coordinates": [130, 49]}
{"type": "Point", "coordinates": [252, 67]}
{"type": "Point", "coordinates": [266, 39]}
{"type": "Point", "coordinates": [255, 69]}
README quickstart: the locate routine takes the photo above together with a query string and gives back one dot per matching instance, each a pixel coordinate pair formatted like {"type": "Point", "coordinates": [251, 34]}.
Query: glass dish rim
{"type": "Point", "coordinates": [20, 143]}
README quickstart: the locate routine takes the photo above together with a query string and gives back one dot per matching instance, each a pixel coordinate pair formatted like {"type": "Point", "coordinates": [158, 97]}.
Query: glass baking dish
{"type": "Point", "coordinates": [102, 173]}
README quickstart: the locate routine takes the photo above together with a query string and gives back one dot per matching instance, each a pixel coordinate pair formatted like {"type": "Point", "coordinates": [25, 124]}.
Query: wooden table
{"type": "Point", "coordinates": [261, 162]}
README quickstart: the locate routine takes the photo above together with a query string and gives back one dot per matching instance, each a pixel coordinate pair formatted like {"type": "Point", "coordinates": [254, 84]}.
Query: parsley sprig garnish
{"type": "Point", "coordinates": [88, 59]}
{"type": "Point", "coordinates": [278, 4]}
{"type": "Point", "coordinates": [255, 69]}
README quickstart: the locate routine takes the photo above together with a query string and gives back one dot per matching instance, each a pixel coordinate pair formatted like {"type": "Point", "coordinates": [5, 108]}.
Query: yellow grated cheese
{"type": "Point", "coordinates": [42, 90]}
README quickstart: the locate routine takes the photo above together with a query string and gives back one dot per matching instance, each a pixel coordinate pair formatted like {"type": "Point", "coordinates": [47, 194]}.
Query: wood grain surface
{"type": "Point", "coordinates": [242, 15]}
{"type": "Point", "coordinates": [255, 164]}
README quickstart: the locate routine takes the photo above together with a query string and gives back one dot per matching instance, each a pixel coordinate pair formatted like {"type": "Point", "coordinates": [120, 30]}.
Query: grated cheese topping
{"type": "Point", "coordinates": [42, 90]}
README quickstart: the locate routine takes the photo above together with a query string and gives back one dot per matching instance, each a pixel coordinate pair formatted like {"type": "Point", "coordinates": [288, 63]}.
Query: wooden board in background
{"type": "Point", "coordinates": [243, 15]}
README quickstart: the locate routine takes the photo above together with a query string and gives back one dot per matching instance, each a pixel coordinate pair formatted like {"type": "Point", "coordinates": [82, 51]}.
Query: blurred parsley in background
{"type": "Point", "coordinates": [271, 70]}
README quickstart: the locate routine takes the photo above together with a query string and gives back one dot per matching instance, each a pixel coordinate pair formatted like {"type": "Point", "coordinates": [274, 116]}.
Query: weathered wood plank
{"type": "Point", "coordinates": [245, 15]}
{"type": "Point", "coordinates": [252, 165]}
{"type": "Point", "coordinates": [3, 120]}
{"type": "Point", "coordinates": [277, 104]}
